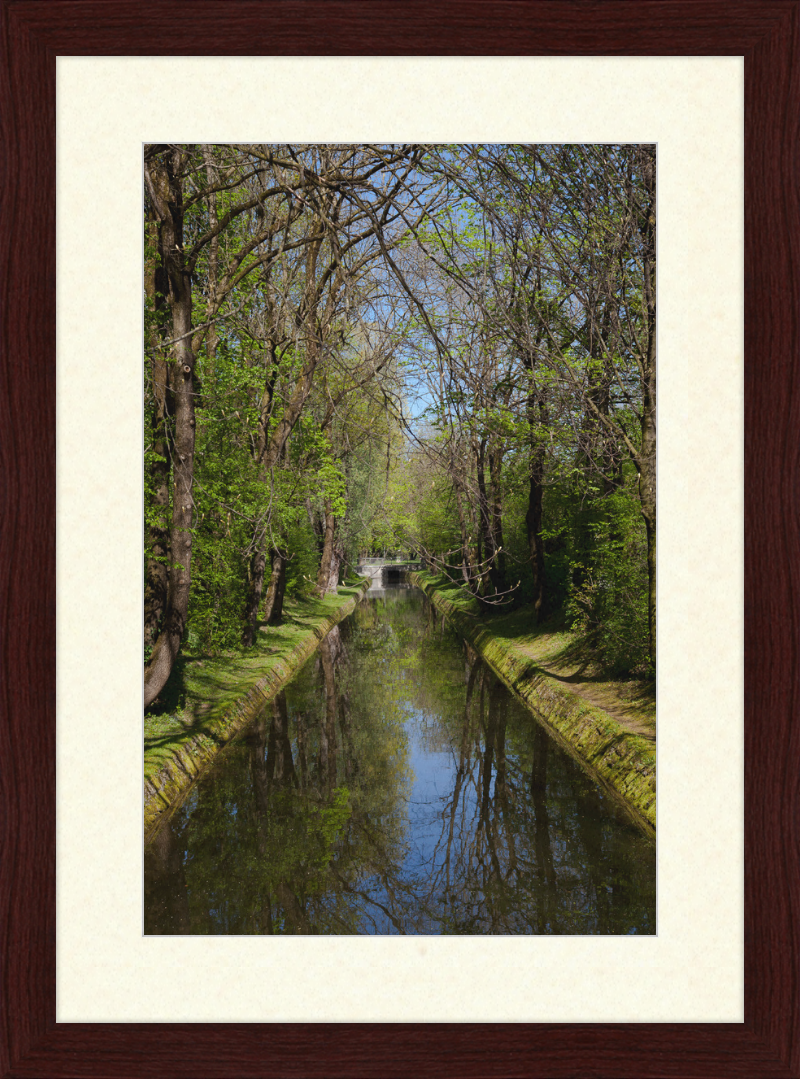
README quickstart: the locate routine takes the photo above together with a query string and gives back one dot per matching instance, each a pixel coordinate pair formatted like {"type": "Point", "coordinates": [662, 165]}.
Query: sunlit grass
{"type": "Point", "coordinates": [205, 695]}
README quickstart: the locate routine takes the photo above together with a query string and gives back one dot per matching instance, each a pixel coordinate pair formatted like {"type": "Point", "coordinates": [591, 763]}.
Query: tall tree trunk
{"type": "Point", "coordinates": [328, 562]}
{"type": "Point", "coordinates": [212, 337]}
{"type": "Point", "coordinates": [272, 449]}
{"type": "Point", "coordinates": [496, 517]}
{"type": "Point", "coordinates": [156, 576]}
{"type": "Point", "coordinates": [166, 191]}
{"type": "Point", "coordinates": [647, 496]}
{"type": "Point", "coordinates": [647, 456]}
{"type": "Point", "coordinates": [601, 448]}
{"type": "Point", "coordinates": [469, 525]}
{"type": "Point", "coordinates": [533, 526]}
{"type": "Point", "coordinates": [265, 405]}
{"type": "Point", "coordinates": [487, 571]}
{"type": "Point", "coordinates": [273, 604]}
{"type": "Point", "coordinates": [537, 416]}
{"type": "Point", "coordinates": [337, 557]}
{"type": "Point", "coordinates": [272, 588]}
{"type": "Point", "coordinates": [467, 567]}
{"type": "Point", "coordinates": [258, 564]}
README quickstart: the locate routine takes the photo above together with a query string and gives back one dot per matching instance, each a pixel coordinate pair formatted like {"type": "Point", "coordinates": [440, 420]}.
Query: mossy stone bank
{"type": "Point", "coordinates": [624, 762]}
{"type": "Point", "coordinates": [224, 695]}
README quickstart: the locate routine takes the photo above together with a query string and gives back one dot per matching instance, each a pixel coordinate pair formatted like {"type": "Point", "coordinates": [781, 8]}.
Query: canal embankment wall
{"type": "Point", "coordinates": [224, 697]}
{"type": "Point", "coordinates": [624, 762]}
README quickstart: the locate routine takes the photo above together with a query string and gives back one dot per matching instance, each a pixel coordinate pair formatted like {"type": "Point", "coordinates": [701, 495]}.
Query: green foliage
{"type": "Point", "coordinates": [607, 599]}
{"type": "Point", "coordinates": [301, 572]}
{"type": "Point", "coordinates": [522, 350]}
{"type": "Point", "coordinates": [437, 519]}
{"type": "Point", "coordinates": [219, 587]}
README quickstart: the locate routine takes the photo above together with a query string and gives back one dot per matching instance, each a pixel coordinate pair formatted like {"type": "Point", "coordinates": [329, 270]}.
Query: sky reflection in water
{"type": "Point", "coordinates": [397, 787]}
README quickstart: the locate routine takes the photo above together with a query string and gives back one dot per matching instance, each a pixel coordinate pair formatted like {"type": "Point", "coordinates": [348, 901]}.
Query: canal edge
{"type": "Point", "coordinates": [164, 791]}
{"type": "Point", "coordinates": [624, 762]}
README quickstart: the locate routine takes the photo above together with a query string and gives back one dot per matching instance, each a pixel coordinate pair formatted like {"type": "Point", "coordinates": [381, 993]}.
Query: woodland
{"type": "Point", "coordinates": [445, 352]}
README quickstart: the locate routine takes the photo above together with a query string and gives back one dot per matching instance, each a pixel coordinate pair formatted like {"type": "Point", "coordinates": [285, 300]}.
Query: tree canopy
{"type": "Point", "coordinates": [442, 350]}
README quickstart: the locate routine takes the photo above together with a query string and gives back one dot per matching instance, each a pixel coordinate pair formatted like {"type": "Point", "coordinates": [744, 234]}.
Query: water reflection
{"type": "Point", "coordinates": [397, 787]}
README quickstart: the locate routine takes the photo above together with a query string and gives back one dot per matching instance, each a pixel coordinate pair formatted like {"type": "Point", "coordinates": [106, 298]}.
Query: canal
{"type": "Point", "coordinates": [396, 786]}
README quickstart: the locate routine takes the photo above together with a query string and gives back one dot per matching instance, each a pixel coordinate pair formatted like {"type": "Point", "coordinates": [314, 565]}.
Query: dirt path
{"type": "Point", "coordinates": [632, 704]}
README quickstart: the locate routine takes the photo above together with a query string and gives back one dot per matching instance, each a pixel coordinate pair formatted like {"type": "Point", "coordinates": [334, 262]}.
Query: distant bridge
{"type": "Point", "coordinates": [383, 571]}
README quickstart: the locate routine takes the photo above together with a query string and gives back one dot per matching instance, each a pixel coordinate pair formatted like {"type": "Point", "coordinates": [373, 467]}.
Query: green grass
{"type": "Point", "coordinates": [558, 651]}
{"type": "Point", "coordinates": [609, 727]}
{"type": "Point", "coordinates": [196, 703]}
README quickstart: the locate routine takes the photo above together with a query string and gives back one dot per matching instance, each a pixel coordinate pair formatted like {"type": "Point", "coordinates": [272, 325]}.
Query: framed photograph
{"type": "Point", "coordinates": [97, 997]}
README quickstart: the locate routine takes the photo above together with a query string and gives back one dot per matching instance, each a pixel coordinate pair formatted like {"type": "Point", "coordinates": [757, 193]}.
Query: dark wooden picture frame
{"type": "Point", "coordinates": [767, 35]}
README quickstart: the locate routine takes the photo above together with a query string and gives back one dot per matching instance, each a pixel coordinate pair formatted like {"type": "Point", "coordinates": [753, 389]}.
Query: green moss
{"type": "Point", "coordinates": [223, 694]}
{"type": "Point", "coordinates": [623, 761]}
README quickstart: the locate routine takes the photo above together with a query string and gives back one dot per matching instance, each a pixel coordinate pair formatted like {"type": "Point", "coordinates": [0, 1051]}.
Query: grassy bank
{"type": "Point", "coordinates": [207, 701]}
{"type": "Point", "coordinates": [608, 726]}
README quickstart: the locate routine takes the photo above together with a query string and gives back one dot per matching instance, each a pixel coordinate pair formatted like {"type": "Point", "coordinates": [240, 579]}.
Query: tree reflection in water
{"type": "Point", "coordinates": [397, 787]}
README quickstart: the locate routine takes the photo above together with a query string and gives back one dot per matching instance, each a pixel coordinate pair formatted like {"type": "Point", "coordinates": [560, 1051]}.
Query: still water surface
{"type": "Point", "coordinates": [396, 786]}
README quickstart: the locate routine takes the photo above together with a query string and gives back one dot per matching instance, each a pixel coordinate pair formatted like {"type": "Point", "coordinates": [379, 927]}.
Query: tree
{"type": "Point", "coordinates": [336, 184]}
{"type": "Point", "coordinates": [178, 200]}
{"type": "Point", "coordinates": [445, 348]}
{"type": "Point", "coordinates": [562, 268]}
{"type": "Point", "coordinates": [165, 174]}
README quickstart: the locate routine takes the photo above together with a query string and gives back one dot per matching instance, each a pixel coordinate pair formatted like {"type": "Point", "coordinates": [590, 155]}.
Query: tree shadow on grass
{"type": "Point", "coordinates": [168, 719]}
{"type": "Point", "coordinates": [642, 694]}
{"type": "Point", "coordinates": [575, 653]}
{"type": "Point", "coordinates": [172, 697]}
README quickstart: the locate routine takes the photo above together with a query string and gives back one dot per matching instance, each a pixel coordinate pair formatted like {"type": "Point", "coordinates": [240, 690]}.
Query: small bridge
{"type": "Point", "coordinates": [385, 571]}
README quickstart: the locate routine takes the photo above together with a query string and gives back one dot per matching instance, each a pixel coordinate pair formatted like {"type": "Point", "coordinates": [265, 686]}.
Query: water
{"type": "Point", "coordinates": [396, 786]}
